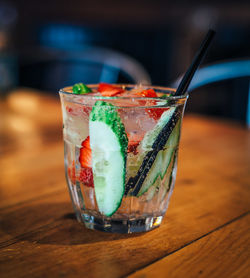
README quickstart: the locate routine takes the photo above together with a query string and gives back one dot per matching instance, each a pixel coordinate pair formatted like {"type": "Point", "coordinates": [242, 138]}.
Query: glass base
{"type": "Point", "coordinates": [125, 226]}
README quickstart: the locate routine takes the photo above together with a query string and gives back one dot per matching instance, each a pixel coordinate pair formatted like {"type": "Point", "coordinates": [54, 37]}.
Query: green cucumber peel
{"type": "Point", "coordinates": [108, 142]}
{"type": "Point", "coordinates": [106, 112]}
{"type": "Point", "coordinates": [163, 158]}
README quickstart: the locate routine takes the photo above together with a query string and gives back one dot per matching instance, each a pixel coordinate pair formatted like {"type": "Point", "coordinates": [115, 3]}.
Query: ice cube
{"type": "Point", "coordinates": [76, 125]}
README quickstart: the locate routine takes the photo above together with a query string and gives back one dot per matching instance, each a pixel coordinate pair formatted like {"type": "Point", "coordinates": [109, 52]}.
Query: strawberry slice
{"type": "Point", "coordinates": [73, 111]}
{"type": "Point", "coordinates": [78, 111]}
{"type": "Point", "coordinates": [133, 142]}
{"type": "Point", "coordinates": [86, 110]}
{"type": "Point", "coordinates": [155, 113]}
{"type": "Point", "coordinates": [108, 90]}
{"type": "Point", "coordinates": [85, 157]}
{"type": "Point", "coordinates": [132, 147]}
{"type": "Point", "coordinates": [86, 177]}
{"type": "Point", "coordinates": [147, 93]}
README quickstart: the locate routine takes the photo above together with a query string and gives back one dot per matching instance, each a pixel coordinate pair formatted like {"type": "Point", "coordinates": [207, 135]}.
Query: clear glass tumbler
{"type": "Point", "coordinates": [132, 145]}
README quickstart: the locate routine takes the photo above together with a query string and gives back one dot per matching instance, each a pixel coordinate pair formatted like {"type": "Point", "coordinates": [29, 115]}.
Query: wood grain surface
{"type": "Point", "coordinates": [222, 253]}
{"type": "Point", "coordinates": [204, 234]}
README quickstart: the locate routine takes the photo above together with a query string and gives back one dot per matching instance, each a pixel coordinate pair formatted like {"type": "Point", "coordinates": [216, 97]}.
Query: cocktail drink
{"type": "Point", "coordinates": [121, 147]}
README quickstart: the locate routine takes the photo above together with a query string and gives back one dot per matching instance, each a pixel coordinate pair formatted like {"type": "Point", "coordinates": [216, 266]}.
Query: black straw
{"type": "Point", "coordinates": [184, 84]}
{"type": "Point", "coordinates": [135, 183]}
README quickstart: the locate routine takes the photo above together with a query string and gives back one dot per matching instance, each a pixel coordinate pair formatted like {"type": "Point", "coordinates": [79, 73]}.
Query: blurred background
{"type": "Point", "coordinates": [47, 45]}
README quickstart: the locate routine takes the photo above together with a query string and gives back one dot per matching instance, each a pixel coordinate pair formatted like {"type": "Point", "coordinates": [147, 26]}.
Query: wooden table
{"type": "Point", "coordinates": [204, 234]}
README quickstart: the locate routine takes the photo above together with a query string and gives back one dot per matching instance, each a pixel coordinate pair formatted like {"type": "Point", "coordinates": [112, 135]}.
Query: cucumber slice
{"type": "Point", "coordinates": [162, 161]}
{"type": "Point", "coordinates": [153, 189]}
{"type": "Point", "coordinates": [168, 177]}
{"type": "Point", "coordinates": [170, 148]}
{"type": "Point", "coordinates": [152, 174]}
{"type": "Point", "coordinates": [108, 142]}
{"type": "Point", "coordinates": [149, 138]}
{"type": "Point", "coordinates": [145, 149]}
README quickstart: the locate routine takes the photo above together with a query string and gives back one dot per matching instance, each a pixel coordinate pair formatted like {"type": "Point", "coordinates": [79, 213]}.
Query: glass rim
{"type": "Point", "coordinates": [122, 85]}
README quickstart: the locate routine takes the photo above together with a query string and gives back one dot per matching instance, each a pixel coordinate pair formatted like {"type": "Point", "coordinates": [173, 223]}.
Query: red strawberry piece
{"type": "Point", "coordinates": [85, 157]}
{"type": "Point", "coordinates": [133, 142]}
{"type": "Point", "coordinates": [108, 90]}
{"type": "Point", "coordinates": [147, 93]}
{"type": "Point", "coordinates": [71, 111]}
{"type": "Point", "coordinates": [132, 147]}
{"type": "Point", "coordinates": [156, 112]}
{"type": "Point", "coordinates": [78, 111]}
{"type": "Point", "coordinates": [86, 177]}
{"type": "Point", "coordinates": [86, 109]}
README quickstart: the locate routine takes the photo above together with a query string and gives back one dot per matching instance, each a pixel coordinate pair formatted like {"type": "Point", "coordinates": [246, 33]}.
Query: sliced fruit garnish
{"type": "Point", "coordinates": [165, 135]}
{"type": "Point", "coordinates": [133, 142]}
{"type": "Point", "coordinates": [72, 110]}
{"type": "Point", "coordinates": [78, 111]}
{"type": "Point", "coordinates": [150, 136]}
{"type": "Point", "coordinates": [81, 89]}
{"type": "Point", "coordinates": [86, 177]}
{"type": "Point", "coordinates": [108, 90]}
{"type": "Point", "coordinates": [132, 147]}
{"type": "Point", "coordinates": [108, 141]}
{"type": "Point", "coordinates": [147, 93]}
{"type": "Point", "coordinates": [156, 112]}
{"type": "Point", "coordinates": [85, 157]}
{"type": "Point", "coordinates": [86, 109]}
{"type": "Point", "coordinates": [162, 161]}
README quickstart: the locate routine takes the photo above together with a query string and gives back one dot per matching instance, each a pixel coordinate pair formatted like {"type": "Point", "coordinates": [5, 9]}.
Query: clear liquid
{"type": "Point", "coordinates": [152, 203]}
{"type": "Point", "coordinates": [141, 212]}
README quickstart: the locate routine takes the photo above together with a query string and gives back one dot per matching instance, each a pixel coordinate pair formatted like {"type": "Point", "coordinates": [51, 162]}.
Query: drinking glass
{"type": "Point", "coordinates": [152, 129]}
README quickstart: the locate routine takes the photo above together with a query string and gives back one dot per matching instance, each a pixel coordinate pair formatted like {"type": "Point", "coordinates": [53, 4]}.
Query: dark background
{"type": "Point", "coordinates": [162, 35]}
